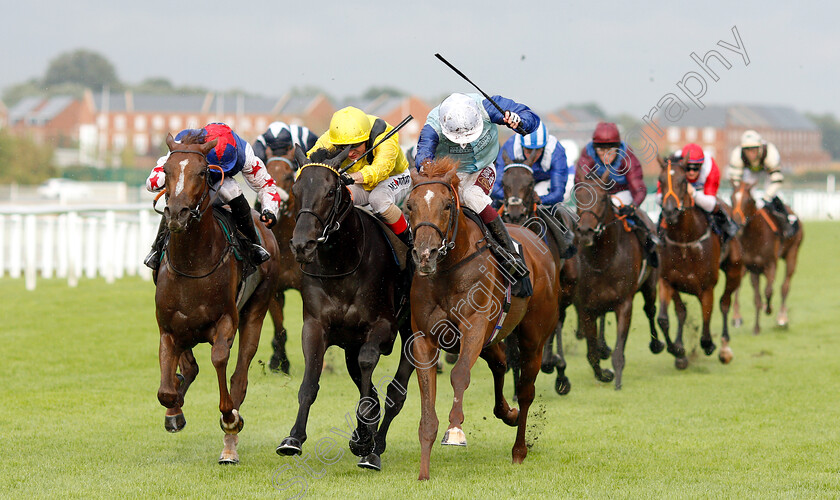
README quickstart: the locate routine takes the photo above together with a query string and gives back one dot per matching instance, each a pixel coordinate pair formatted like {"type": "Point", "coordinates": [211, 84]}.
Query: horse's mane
{"type": "Point", "coordinates": [438, 169]}
{"type": "Point", "coordinates": [194, 137]}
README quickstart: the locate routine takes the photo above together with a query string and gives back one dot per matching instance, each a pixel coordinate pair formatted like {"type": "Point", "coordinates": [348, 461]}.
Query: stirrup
{"type": "Point", "coordinates": [152, 261]}
{"type": "Point", "coordinates": [259, 254]}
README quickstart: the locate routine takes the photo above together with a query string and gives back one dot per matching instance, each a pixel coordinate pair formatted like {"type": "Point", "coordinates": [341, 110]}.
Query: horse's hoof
{"type": "Point", "coordinates": [562, 385]}
{"type": "Point", "coordinates": [677, 351]}
{"type": "Point", "coordinates": [579, 334]}
{"type": "Point", "coordinates": [681, 363]}
{"type": "Point", "coordinates": [180, 379]}
{"type": "Point", "coordinates": [372, 462]}
{"type": "Point", "coordinates": [768, 310]}
{"type": "Point", "coordinates": [656, 346]}
{"type": "Point", "coordinates": [725, 355]}
{"type": "Point", "coordinates": [451, 358]}
{"type": "Point", "coordinates": [235, 426]}
{"type": "Point", "coordinates": [454, 437]}
{"type": "Point", "coordinates": [278, 364]}
{"type": "Point", "coordinates": [782, 323]}
{"type": "Point", "coordinates": [174, 423]}
{"type": "Point", "coordinates": [546, 367]}
{"type": "Point", "coordinates": [737, 322]}
{"type": "Point", "coordinates": [362, 449]}
{"type": "Point", "coordinates": [289, 446]}
{"type": "Point", "coordinates": [708, 347]}
{"type": "Point", "coordinates": [606, 375]}
{"type": "Point", "coordinates": [439, 367]}
{"type": "Point", "coordinates": [604, 352]}
{"type": "Point", "coordinates": [228, 460]}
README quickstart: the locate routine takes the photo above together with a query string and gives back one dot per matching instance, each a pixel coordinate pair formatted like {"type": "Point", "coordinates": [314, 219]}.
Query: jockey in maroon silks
{"type": "Point", "coordinates": [608, 153]}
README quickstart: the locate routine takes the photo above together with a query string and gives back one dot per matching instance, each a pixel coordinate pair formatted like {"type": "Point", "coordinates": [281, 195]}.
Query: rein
{"type": "Point", "coordinates": [334, 218]}
{"type": "Point", "coordinates": [197, 213]}
{"type": "Point", "coordinates": [452, 225]}
{"type": "Point", "coordinates": [762, 211]}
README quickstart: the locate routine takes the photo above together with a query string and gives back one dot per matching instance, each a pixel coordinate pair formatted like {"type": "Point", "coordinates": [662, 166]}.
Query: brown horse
{"type": "Point", "coordinates": [354, 296]}
{"type": "Point", "coordinates": [613, 267]}
{"type": "Point", "coordinates": [691, 256]}
{"type": "Point", "coordinates": [762, 249]}
{"type": "Point", "coordinates": [282, 171]}
{"type": "Point", "coordinates": [197, 293]}
{"type": "Point", "coordinates": [458, 299]}
{"type": "Point", "coordinates": [520, 208]}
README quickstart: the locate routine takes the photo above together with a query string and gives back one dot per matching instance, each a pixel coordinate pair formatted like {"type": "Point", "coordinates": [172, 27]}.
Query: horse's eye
{"type": "Point", "coordinates": [448, 206]}
{"type": "Point", "coordinates": [331, 193]}
{"type": "Point", "coordinates": [408, 207]}
{"type": "Point", "coordinates": [202, 173]}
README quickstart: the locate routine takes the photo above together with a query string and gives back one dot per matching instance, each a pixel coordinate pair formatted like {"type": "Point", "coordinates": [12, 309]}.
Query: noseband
{"type": "Point", "coordinates": [452, 225]}
{"type": "Point", "coordinates": [336, 215]}
{"type": "Point", "coordinates": [673, 194]}
{"type": "Point", "coordinates": [196, 213]}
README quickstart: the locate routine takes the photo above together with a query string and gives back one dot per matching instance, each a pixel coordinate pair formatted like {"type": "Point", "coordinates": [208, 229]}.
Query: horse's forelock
{"type": "Point", "coordinates": [322, 155]}
{"type": "Point", "coordinates": [197, 137]}
{"type": "Point", "coordinates": [439, 168]}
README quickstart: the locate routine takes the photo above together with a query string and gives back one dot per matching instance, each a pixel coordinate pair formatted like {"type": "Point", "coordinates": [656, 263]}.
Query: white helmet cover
{"type": "Point", "coordinates": [460, 119]}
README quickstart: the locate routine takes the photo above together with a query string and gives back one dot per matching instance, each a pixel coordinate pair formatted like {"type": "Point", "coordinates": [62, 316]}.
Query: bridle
{"type": "Point", "coordinates": [514, 201]}
{"type": "Point", "coordinates": [452, 225]}
{"type": "Point", "coordinates": [673, 194]}
{"type": "Point", "coordinates": [332, 223]}
{"type": "Point", "coordinates": [738, 209]}
{"type": "Point", "coordinates": [601, 226]}
{"type": "Point", "coordinates": [196, 213]}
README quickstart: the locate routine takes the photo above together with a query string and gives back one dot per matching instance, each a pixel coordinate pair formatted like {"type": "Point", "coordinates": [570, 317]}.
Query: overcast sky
{"type": "Point", "coordinates": [626, 56]}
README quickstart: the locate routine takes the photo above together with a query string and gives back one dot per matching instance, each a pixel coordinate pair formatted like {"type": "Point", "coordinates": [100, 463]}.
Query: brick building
{"type": "Point", "coordinates": [718, 129]}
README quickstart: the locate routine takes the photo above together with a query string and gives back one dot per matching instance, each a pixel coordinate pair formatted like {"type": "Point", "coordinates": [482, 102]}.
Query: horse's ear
{"type": "Point", "coordinates": [605, 178]}
{"type": "Point", "coordinates": [415, 176]}
{"type": "Point", "coordinates": [300, 156]}
{"type": "Point", "coordinates": [208, 146]}
{"type": "Point", "coordinates": [505, 157]}
{"type": "Point", "coordinates": [170, 142]}
{"type": "Point", "coordinates": [452, 179]}
{"type": "Point", "coordinates": [336, 160]}
{"type": "Point", "coordinates": [662, 163]}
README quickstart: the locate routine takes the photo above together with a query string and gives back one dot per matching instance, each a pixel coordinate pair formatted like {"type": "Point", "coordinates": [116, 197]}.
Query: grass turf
{"type": "Point", "coordinates": [81, 417]}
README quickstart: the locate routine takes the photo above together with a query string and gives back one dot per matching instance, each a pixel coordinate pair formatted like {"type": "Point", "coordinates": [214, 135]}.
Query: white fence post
{"type": "Point", "coordinates": [91, 247]}
{"type": "Point", "coordinates": [108, 247]}
{"type": "Point", "coordinates": [48, 247]}
{"type": "Point", "coordinates": [143, 243]}
{"type": "Point", "coordinates": [31, 251]}
{"type": "Point", "coordinates": [74, 247]}
{"type": "Point", "coordinates": [2, 245]}
{"type": "Point", "coordinates": [62, 246]}
{"type": "Point", "coordinates": [15, 244]}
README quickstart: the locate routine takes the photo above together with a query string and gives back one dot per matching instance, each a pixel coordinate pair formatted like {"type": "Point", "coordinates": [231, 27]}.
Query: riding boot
{"type": "Point", "coordinates": [788, 223]}
{"type": "Point", "coordinates": [521, 287]}
{"type": "Point", "coordinates": [152, 261]}
{"type": "Point", "coordinates": [649, 240]}
{"type": "Point", "coordinates": [241, 211]}
{"type": "Point", "coordinates": [407, 238]}
{"type": "Point", "coordinates": [727, 226]}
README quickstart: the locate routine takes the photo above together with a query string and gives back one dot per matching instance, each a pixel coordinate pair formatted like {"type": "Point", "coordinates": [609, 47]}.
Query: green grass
{"type": "Point", "coordinates": [81, 419]}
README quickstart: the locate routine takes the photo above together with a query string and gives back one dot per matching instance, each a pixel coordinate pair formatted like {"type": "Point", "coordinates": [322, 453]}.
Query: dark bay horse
{"type": "Point", "coordinates": [762, 249]}
{"type": "Point", "coordinates": [282, 171]}
{"type": "Point", "coordinates": [613, 268]}
{"type": "Point", "coordinates": [354, 296]}
{"type": "Point", "coordinates": [691, 255]}
{"type": "Point", "coordinates": [458, 299]}
{"type": "Point", "coordinates": [197, 292]}
{"type": "Point", "coordinates": [520, 208]}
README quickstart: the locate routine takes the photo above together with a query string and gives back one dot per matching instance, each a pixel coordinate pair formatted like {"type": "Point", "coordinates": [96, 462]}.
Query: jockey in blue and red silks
{"type": "Point", "coordinates": [607, 152]}
{"type": "Point", "coordinates": [234, 155]}
{"type": "Point", "coordinates": [464, 127]}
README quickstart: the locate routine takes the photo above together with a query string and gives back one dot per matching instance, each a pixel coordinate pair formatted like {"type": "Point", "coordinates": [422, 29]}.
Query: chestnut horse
{"type": "Point", "coordinates": [762, 249]}
{"type": "Point", "coordinates": [458, 299]}
{"type": "Point", "coordinates": [354, 296]}
{"type": "Point", "coordinates": [691, 255]}
{"type": "Point", "coordinates": [520, 208]}
{"type": "Point", "coordinates": [196, 293]}
{"type": "Point", "coordinates": [613, 267]}
{"type": "Point", "coordinates": [282, 171]}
